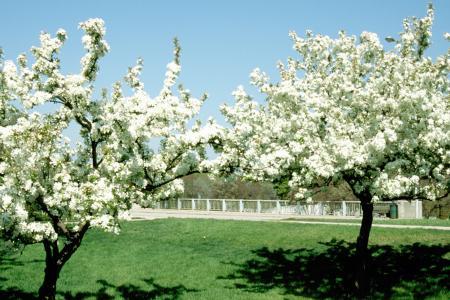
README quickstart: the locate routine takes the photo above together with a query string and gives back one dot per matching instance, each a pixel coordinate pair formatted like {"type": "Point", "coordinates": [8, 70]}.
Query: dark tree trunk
{"type": "Point", "coordinates": [362, 251]}
{"type": "Point", "coordinates": [55, 260]}
{"type": "Point", "coordinates": [48, 287]}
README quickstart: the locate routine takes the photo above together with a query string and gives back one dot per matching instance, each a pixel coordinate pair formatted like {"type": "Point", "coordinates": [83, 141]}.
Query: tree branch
{"type": "Point", "coordinates": [82, 120]}
{"type": "Point", "coordinates": [58, 225]}
{"type": "Point", "coordinates": [95, 162]}
{"type": "Point", "coordinates": [149, 187]}
{"type": "Point", "coordinates": [48, 250]}
{"type": "Point", "coordinates": [72, 245]}
{"type": "Point", "coordinates": [416, 197]}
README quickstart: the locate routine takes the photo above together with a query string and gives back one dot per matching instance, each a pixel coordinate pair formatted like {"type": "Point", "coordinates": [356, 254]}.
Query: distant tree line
{"type": "Point", "coordinates": [204, 186]}
{"type": "Point", "coordinates": [211, 187]}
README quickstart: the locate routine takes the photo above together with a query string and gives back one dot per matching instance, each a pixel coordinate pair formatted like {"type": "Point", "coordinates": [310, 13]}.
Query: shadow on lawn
{"type": "Point", "coordinates": [415, 270]}
{"type": "Point", "coordinates": [130, 291]}
{"type": "Point", "coordinates": [13, 292]}
{"type": "Point", "coordinates": [125, 291]}
{"type": "Point", "coordinates": [106, 291]}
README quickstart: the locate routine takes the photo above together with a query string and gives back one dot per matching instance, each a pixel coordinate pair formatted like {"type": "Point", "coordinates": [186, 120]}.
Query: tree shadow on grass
{"type": "Point", "coordinates": [131, 291]}
{"type": "Point", "coordinates": [13, 292]}
{"type": "Point", "coordinates": [109, 291]}
{"type": "Point", "coordinates": [106, 291]}
{"type": "Point", "coordinates": [413, 271]}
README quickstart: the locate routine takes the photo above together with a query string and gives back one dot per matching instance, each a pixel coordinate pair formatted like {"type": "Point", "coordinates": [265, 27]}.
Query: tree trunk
{"type": "Point", "coordinates": [55, 260]}
{"type": "Point", "coordinates": [48, 287]}
{"type": "Point", "coordinates": [362, 251]}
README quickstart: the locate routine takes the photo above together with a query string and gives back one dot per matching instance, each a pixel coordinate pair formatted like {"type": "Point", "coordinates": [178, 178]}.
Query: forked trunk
{"type": "Point", "coordinates": [55, 260]}
{"type": "Point", "coordinates": [362, 251]}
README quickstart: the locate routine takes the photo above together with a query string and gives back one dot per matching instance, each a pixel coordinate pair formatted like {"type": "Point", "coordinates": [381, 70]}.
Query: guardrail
{"type": "Point", "coordinates": [334, 208]}
{"type": "Point", "coordinates": [403, 209]}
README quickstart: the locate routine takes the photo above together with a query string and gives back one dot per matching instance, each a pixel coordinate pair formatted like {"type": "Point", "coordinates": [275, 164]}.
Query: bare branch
{"type": "Point", "coordinates": [58, 225]}
{"type": "Point", "coordinates": [150, 187]}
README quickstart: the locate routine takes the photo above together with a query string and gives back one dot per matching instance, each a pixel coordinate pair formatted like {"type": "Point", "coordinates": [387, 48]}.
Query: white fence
{"type": "Point", "coordinates": [406, 209]}
{"type": "Point", "coordinates": [333, 208]}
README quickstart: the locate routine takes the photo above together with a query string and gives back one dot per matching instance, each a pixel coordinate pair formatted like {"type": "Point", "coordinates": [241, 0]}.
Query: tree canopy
{"type": "Point", "coordinates": [52, 191]}
{"type": "Point", "coordinates": [349, 109]}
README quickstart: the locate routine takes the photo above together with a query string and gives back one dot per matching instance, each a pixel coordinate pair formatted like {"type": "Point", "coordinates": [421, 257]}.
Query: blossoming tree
{"type": "Point", "coordinates": [51, 192]}
{"type": "Point", "coordinates": [347, 109]}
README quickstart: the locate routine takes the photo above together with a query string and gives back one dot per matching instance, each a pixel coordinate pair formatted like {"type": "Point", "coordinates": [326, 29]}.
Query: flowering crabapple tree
{"type": "Point", "coordinates": [348, 109]}
{"type": "Point", "coordinates": [52, 192]}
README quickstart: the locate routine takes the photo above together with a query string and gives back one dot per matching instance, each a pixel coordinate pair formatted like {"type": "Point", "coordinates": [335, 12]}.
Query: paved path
{"type": "Point", "coordinates": [373, 225]}
{"type": "Point", "coordinates": [152, 214]}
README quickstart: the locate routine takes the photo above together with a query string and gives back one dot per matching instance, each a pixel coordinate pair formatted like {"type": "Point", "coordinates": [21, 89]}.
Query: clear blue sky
{"type": "Point", "coordinates": [222, 41]}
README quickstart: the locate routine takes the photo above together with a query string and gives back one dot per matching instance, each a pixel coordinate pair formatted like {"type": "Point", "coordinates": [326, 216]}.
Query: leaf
{"type": "Point", "coordinates": [390, 39]}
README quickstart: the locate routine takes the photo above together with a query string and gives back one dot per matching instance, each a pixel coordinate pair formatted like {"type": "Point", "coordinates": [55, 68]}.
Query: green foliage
{"type": "Point", "coordinates": [281, 186]}
{"type": "Point", "coordinates": [339, 191]}
{"type": "Point", "coordinates": [437, 209]}
{"type": "Point", "coordinates": [204, 186]}
{"type": "Point", "coordinates": [8, 248]}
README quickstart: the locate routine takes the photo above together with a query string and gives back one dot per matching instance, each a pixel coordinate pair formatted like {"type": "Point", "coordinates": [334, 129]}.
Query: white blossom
{"type": "Point", "coordinates": [114, 165]}
{"type": "Point", "coordinates": [348, 109]}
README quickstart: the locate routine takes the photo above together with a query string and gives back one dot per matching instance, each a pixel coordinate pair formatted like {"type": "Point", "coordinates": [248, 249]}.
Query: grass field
{"type": "Point", "coordinates": [215, 259]}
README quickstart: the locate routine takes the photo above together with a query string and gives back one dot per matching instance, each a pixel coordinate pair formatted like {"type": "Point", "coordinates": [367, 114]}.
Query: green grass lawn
{"type": "Point", "coordinates": [216, 259]}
